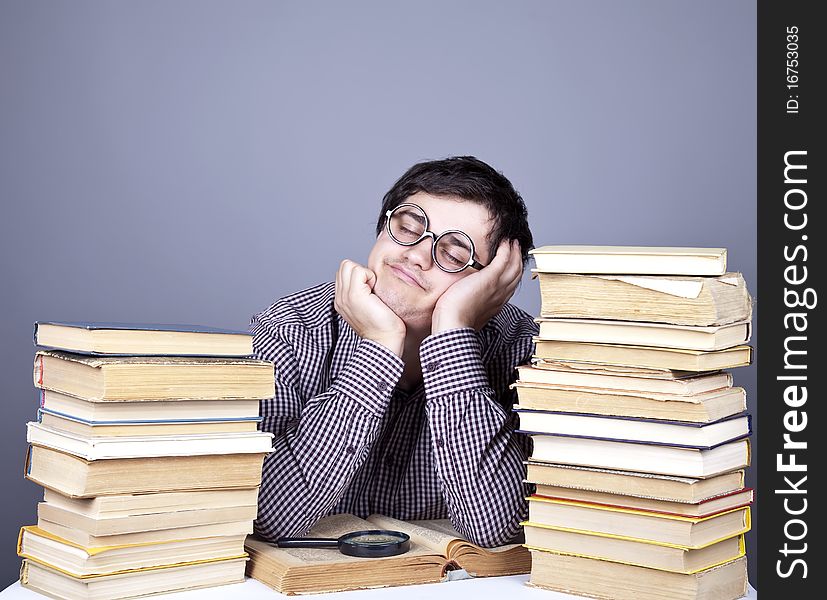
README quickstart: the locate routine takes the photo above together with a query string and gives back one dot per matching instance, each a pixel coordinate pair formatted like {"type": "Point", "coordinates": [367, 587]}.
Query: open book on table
{"type": "Point", "coordinates": [436, 550]}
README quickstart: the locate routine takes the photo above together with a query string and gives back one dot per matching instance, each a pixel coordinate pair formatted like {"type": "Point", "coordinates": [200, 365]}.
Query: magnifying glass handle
{"type": "Point", "coordinates": [303, 542]}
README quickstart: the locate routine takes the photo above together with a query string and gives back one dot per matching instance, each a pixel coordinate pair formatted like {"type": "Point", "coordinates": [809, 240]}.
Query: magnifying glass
{"type": "Point", "coordinates": [368, 543]}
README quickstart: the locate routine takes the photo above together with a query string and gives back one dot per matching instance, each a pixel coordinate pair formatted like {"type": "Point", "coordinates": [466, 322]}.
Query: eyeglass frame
{"type": "Point", "coordinates": [472, 262]}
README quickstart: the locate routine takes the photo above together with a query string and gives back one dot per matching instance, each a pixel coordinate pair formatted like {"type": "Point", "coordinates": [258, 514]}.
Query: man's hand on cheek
{"type": "Point", "coordinates": [473, 300]}
{"type": "Point", "coordinates": [364, 311]}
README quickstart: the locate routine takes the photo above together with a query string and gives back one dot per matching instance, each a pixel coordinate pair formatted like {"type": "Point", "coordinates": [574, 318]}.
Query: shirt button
{"type": "Point", "coordinates": [439, 443]}
{"type": "Point", "coordinates": [432, 366]}
{"type": "Point", "coordinates": [350, 450]}
{"type": "Point", "coordinates": [382, 386]}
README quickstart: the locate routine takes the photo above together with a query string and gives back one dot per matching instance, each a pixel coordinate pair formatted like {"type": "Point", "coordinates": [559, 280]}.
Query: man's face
{"type": "Point", "coordinates": [407, 280]}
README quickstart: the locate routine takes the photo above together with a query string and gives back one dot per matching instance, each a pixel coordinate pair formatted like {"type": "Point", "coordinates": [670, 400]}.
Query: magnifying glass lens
{"type": "Point", "coordinates": [374, 543]}
{"type": "Point", "coordinates": [375, 539]}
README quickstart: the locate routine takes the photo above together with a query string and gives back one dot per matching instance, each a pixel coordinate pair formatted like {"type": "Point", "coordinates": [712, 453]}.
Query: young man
{"type": "Point", "coordinates": [392, 383]}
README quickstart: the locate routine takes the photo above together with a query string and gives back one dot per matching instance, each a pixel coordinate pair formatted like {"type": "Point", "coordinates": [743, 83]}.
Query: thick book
{"type": "Point", "coordinates": [684, 384]}
{"type": "Point", "coordinates": [664, 557]}
{"type": "Point", "coordinates": [681, 434]}
{"type": "Point", "coordinates": [79, 537]}
{"type": "Point", "coordinates": [630, 260]}
{"type": "Point", "coordinates": [643, 356]}
{"type": "Point", "coordinates": [111, 378]}
{"type": "Point", "coordinates": [640, 525]}
{"type": "Point", "coordinates": [650, 458]}
{"type": "Point", "coordinates": [639, 333]}
{"type": "Point", "coordinates": [126, 428]}
{"type": "Point", "coordinates": [131, 505]}
{"type": "Point", "coordinates": [435, 550]}
{"type": "Point", "coordinates": [131, 583]}
{"type": "Point", "coordinates": [101, 448]}
{"type": "Point", "coordinates": [146, 411]}
{"type": "Point", "coordinates": [47, 549]}
{"type": "Point", "coordinates": [706, 507]}
{"type": "Point", "coordinates": [700, 408]}
{"type": "Point", "coordinates": [662, 299]}
{"type": "Point", "coordinates": [616, 581]}
{"type": "Point", "coordinates": [76, 477]}
{"type": "Point", "coordinates": [142, 339]}
{"type": "Point", "coordinates": [634, 483]}
{"type": "Point", "coordinates": [99, 526]}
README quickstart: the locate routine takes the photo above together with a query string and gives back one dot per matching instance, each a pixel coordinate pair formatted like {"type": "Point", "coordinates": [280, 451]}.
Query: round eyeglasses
{"type": "Point", "coordinates": [452, 250]}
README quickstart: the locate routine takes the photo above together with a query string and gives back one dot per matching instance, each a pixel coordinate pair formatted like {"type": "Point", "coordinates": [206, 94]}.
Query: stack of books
{"type": "Point", "coordinates": [640, 439]}
{"type": "Point", "coordinates": [148, 448]}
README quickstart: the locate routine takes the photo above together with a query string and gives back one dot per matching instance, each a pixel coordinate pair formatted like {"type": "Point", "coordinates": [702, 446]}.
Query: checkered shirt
{"type": "Point", "coordinates": [347, 440]}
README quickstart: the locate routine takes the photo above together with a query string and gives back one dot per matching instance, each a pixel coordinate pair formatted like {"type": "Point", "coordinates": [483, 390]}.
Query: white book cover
{"type": "Point", "coordinates": [146, 446]}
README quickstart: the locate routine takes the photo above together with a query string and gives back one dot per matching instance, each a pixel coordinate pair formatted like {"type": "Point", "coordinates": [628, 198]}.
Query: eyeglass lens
{"type": "Point", "coordinates": [453, 250]}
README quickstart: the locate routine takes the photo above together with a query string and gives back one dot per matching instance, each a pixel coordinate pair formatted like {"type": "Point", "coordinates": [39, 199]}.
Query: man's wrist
{"type": "Point", "coordinates": [442, 321]}
{"type": "Point", "coordinates": [395, 344]}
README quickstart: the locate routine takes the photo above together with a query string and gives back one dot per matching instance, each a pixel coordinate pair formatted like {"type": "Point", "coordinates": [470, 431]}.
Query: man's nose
{"type": "Point", "coordinates": [420, 254]}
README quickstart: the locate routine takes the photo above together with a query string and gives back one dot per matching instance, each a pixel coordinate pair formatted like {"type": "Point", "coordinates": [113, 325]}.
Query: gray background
{"type": "Point", "coordinates": [192, 161]}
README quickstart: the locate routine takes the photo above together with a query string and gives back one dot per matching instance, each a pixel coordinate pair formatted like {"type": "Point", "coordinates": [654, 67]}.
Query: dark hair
{"type": "Point", "coordinates": [471, 179]}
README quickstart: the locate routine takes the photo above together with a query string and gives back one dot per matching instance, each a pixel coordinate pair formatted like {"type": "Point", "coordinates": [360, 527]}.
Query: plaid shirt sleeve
{"type": "Point", "coordinates": [477, 454]}
{"type": "Point", "coordinates": [320, 441]}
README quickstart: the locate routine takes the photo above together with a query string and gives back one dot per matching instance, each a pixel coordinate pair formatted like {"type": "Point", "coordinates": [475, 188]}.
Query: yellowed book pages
{"type": "Point", "coordinates": [86, 429]}
{"type": "Point", "coordinates": [634, 552]}
{"type": "Point", "coordinates": [643, 356]}
{"type": "Point", "coordinates": [707, 507]}
{"type": "Point", "coordinates": [139, 582]}
{"type": "Point", "coordinates": [141, 523]}
{"type": "Point", "coordinates": [615, 581]}
{"type": "Point", "coordinates": [639, 333]}
{"type": "Point", "coordinates": [148, 378]}
{"type": "Point", "coordinates": [76, 477]}
{"type": "Point", "coordinates": [631, 483]}
{"type": "Point", "coordinates": [697, 301]}
{"type": "Point", "coordinates": [145, 339]}
{"type": "Point", "coordinates": [631, 260]}
{"type": "Point", "coordinates": [435, 550]}
{"type": "Point", "coordinates": [79, 561]}
{"type": "Point", "coordinates": [128, 505]}
{"type": "Point", "coordinates": [700, 408]}
{"type": "Point", "coordinates": [639, 525]}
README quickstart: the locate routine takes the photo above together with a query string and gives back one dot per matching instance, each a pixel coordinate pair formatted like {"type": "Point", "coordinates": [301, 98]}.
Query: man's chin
{"type": "Point", "coordinates": [404, 301]}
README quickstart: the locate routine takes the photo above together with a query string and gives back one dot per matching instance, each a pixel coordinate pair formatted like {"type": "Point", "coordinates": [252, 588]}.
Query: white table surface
{"type": "Point", "coordinates": [479, 589]}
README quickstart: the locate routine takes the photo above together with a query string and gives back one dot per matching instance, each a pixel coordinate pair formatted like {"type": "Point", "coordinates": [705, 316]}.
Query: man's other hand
{"type": "Point", "coordinates": [473, 300]}
{"type": "Point", "coordinates": [364, 311]}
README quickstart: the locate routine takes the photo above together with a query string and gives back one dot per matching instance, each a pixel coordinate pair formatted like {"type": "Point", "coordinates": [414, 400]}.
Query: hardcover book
{"type": "Point", "coordinates": [681, 434]}
{"type": "Point", "coordinates": [704, 508]}
{"type": "Point", "coordinates": [111, 378]}
{"type": "Point", "coordinates": [643, 356]}
{"type": "Point", "coordinates": [664, 557]}
{"type": "Point", "coordinates": [617, 581]}
{"type": "Point", "coordinates": [77, 477]}
{"type": "Point", "coordinates": [47, 549]}
{"type": "Point", "coordinates": [97, 410]}
{"type": "Point", "coordinates": [629, 456]}
{"type": "Point", "coordinates": [97, 448]}
{"type": "Point", "coordinates": [697, 301]}
{"type": "Point", "coordinates": [634, 483]}
{"type": "Point", "coordinates": [638, 333]}
{"type": "Point", "coordinates": [640, 525]}
{"type": "Point", "coordinates": [630, 260]}
{"type": "Point", "coordinates": [142, 339]}
{"type": "Point", "coordinates": [131, 583]}
{"type": "Point", "coordinates": [685, 384]}
{"type": "Point", "coordinates": [699, 408]}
